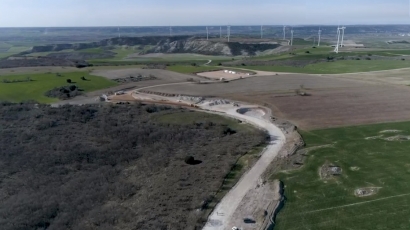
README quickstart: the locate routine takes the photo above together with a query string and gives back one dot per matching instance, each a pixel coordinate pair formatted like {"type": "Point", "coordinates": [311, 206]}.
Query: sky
{"type": "Point", "coordinates": [62, 13]}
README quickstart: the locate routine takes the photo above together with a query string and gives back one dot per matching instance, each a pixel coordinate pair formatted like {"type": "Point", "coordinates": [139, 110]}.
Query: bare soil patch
{"type": "Point", "coordinates": [366, 191]}
{"type": "Point", "coordinates": [257, 206]}
{"type": "Point", "coordinates": [334, 101]}
{"type": "Point", "coordinates": [223, 75]}
{"type": "Point", "coordinates": [329, 171]}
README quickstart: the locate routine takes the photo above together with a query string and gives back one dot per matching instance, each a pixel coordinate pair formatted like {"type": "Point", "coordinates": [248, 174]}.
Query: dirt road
{"type": "Point", "coordinates": [223, 212]}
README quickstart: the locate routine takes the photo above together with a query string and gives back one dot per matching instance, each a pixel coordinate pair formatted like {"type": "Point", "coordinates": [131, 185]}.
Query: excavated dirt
{"type": "Point", "coordinates": [257, 205]}
{"type": "Point", "coordinates": [329, 171]}
{"type": "Point", "coordinates": [366, 191]}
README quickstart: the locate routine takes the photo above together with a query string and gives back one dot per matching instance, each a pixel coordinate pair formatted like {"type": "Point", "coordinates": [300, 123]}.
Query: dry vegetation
{"type": "Point", "coordinates": [112, 167]}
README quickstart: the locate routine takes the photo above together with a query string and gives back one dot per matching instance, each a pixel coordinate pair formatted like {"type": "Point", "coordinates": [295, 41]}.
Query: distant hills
{"type": "Point", "coordinates": [160, 44]}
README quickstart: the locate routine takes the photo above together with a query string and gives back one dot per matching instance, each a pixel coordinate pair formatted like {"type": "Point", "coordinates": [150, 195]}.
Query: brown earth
{"type": "Point", "coordinates": [334, 101]}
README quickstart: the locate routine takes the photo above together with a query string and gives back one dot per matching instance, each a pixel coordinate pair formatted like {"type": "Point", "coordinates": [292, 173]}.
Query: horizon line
{"type": "Point", "coordinates": [238, 25]}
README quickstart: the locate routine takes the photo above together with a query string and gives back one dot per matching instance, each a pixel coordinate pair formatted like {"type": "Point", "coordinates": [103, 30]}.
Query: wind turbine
{"type": "Point", "coordinates": [338, 40]}
{"type": "Point", "coordinates": [343, 34]}
{"type": "Point", "coordinates": [229, 32]}
{"type": "Point", "coordinates": [284, 32]}
{"type": "Point", "coordinates": [320, 33]}
{"type": "Point", "coordinates": [220, 32]}
{"type": "Point", "coordinates": [291, 38]}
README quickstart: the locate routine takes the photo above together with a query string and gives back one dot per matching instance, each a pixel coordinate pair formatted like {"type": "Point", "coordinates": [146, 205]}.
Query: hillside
{"type": "Point", "coordinates": [177, 44]}
{"type": "Point", "coordinates": [113, 167]}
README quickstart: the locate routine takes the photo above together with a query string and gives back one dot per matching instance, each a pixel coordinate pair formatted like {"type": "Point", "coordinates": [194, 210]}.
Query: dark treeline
{"type": "Point", "coordinates": [109, 167]}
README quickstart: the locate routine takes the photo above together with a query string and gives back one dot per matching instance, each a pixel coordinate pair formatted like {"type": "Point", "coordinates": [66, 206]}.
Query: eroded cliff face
{"type": "Point", "coordinates": [177, 44]}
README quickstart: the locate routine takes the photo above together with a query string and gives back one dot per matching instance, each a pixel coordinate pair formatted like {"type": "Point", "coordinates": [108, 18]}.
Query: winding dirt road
{"type": "Point", "coordinates": [222, 214]}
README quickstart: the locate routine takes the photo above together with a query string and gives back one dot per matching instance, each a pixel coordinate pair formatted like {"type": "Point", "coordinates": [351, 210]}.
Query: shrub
{"type": "Point", "coordinates": [68, 80]}
{"type": "Point", "coordinates": [368, 58]}
{"type": "Point", "coordinates": [243, 64]}
{"type": "Point", "coordinates": [189, 160]}
{"type": "Point", "coordinates": [307, 51]}
{"type": "Point", "coordinates": [193, 64]}
{"type": "Point", "coordinates": [83, 78]}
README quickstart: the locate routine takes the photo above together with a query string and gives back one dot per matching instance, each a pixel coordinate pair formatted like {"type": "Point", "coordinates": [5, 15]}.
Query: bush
{"type": "Point", "coordinates": [219, 63]}
{"type": "Point", "coordinates": [68, 80]}
{"type": "Point", "coordinates": [189, 160]}
{"type": "Point", "coordinates": [307, 51]}
{"type": "Point", "coordinates": [243, 64]}
{"type": "Point", "coordinates": [358, 59]}
{"type": "Point", "coordinates": [368, 58]}
{"type": "Point", "coordinates": [193, 64]}
{"type": "Point", "coordinates": [83, 78]}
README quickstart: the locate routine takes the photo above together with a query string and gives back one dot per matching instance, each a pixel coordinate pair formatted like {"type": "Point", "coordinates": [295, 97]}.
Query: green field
{"type": "Point", "coordinates": [312, 203]}
{"type": "Point", "coordinates": [34, 90]}
{"type": "Point", "coordinates": [341, 66]}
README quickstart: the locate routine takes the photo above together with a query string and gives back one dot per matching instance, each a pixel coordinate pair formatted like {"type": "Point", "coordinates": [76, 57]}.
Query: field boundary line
{"type": "Point", "coordinates": [358, 203]}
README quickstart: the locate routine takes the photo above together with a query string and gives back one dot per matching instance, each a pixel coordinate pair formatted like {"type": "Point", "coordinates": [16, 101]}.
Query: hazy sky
{"type": "Point", "coordinates": [29, 13]}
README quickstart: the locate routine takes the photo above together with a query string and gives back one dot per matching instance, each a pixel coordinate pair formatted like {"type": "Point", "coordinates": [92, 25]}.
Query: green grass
{"type": "Point", "coordinates": [342, 66]}
{"type": "Point", "coordinates": [11, 50]}
{"type": "Point", "coordinates": [381, 163]}
{"type": "Point", "coordinates": [34, 90]}
{"type": "Point", "coordinates": [191, 69]}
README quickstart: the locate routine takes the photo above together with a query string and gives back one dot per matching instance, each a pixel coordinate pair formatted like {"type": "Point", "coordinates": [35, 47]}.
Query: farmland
{"type": "Point", "coordinates": [41, 83]}
{"type": "Point", "coordinates": [368, 158]}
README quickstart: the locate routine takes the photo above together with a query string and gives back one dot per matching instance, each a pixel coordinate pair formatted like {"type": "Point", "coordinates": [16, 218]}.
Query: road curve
{"type": "Point", "coordinates": [220, 218]}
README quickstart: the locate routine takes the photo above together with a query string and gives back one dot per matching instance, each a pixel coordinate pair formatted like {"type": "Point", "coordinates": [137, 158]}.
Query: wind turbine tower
{"type": "Point", "coordinates": [291, 38]}
{"type": "Point", "coordinates": [338, 40]}
{"type": "Point", "coordinates": [119, 34]}
{"type": "Point", "coordinates": [320, 33]}
{"type": "Point", "coordinates": [229, 32]}
{"type": "Point", "coordinates": [284, 32]}
{"type": "Point", "coordinates": [207, 33]}
{"type": "Point", "coordinates": [261, 32]}
{"type": "Point", "coordinates": [220, 32]}
{"type": "Point", "coordinates": [343, 34]}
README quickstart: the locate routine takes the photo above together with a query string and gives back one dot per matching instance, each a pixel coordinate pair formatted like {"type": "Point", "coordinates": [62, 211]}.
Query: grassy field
{"type": "Point", "coordinates": [342, 66]}
{"type": "Point", "coordinates": [191, 69]}
{"type": "Point", "coordinates": [34, 90]}
{"type": "Point", "coordinates": [11, 50]}
{"type": "Point", "coordinates": [313, 203]}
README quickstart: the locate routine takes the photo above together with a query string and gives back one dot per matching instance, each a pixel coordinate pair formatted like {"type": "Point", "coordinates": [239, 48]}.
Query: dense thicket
{"type": "Point", "coordinates": [109, 167]}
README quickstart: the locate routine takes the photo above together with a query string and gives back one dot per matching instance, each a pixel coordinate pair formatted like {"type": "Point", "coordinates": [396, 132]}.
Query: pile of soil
{"type": "Point", "coordinates": [137, 78]}
{"type": "Point", "coordinates": [64, 92]}
{"type": "Point", "coordinates": [329, 171]}
{"type": "Point", "coordinates": [368, 191]}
